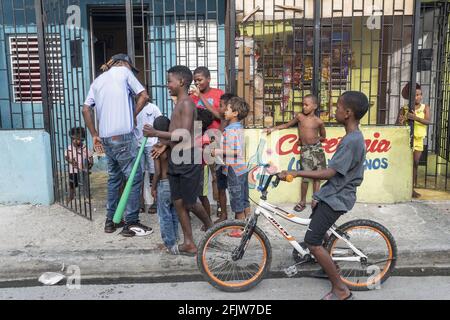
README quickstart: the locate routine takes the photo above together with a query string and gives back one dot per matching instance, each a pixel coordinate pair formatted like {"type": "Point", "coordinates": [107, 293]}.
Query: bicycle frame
{"type": "Point", "coordinates": [269, 212]}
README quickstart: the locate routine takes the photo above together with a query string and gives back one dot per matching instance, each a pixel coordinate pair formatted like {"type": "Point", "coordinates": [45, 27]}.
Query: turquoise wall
{"type": "Point", "coordinates": [77, 80]}
{"type": "Point", "coordinates": [26, 170]}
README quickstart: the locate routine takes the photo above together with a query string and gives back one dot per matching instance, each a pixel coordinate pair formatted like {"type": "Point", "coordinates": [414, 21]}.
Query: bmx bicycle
{"type": "Point", "coordinates": [364, 251]}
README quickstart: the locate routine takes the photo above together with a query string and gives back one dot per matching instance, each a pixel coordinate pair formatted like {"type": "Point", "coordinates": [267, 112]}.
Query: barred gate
{"type": "Point", "coordinates": [168, 33]}
{"type": "Point", "coordinates": [64, 89]}
{"type": "Point", "coordinates": [288, 49]}
{"type": "Point", "coordinates": [433, 63]}
{"type": "Point", "coordinates": [285, 50]}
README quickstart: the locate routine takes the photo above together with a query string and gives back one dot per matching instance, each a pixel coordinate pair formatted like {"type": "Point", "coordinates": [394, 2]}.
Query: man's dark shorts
{"type": "Point", "coordinates": [186, 182]}
{"type": "Point", "coordinates": [323, 218]}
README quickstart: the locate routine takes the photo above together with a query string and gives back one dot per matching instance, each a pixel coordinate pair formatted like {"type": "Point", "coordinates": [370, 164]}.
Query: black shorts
{"type": "Point", "coordinates": [323, 218]}
{"type": "Point", "coordinates": [222, 183]}
{"type": "Point", "coordinates": [73, 180]}
{"type": "Point", "coordinates": [186, 182]}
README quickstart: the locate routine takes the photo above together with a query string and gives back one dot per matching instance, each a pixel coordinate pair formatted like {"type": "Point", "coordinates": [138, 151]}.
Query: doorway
{"type": "Point", "coordinates": [108, 33]}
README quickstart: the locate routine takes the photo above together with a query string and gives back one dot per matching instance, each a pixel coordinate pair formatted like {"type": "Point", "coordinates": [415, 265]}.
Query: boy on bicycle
{"type": "Point", "coordinates": [344, 174]}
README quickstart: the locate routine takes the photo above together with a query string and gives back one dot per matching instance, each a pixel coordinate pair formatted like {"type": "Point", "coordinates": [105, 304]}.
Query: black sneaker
{"type": "Point", "coordinates": [111, 227]}
{"type": "Point", "coordinates": [140, 230]}
{"type": "Point", "coordinates": [127, 232]}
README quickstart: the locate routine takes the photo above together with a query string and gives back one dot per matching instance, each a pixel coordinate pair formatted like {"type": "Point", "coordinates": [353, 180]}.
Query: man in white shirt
{"type": "Point", "coordinates": [112, 95]}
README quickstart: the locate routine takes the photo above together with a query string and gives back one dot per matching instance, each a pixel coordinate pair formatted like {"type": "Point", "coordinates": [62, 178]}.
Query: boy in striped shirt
{"type": "Point", "coordinates": [233, 152]}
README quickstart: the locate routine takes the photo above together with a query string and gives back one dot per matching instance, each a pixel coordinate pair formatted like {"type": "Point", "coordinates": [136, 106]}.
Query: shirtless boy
{"type": "Point", "coordinates": [311, 132]}
{"type": "Point", "coordinates": [185, 177]}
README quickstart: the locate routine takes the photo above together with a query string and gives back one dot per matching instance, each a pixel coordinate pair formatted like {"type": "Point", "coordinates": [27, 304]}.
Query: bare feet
{"type": "Point", "coordinates": [299, 207]}
{"type": "Point", "coordinates": [187, 249]}
{"type": "Point", "coordinates": [161, 246]}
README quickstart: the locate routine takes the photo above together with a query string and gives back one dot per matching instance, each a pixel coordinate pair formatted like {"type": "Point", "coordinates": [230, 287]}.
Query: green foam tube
{"type": "Point", "coordinates": [126, 192]}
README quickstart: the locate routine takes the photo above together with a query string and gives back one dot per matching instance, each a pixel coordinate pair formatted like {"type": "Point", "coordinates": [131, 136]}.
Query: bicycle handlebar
{"type": "Point", "coordinates": [263, 186]}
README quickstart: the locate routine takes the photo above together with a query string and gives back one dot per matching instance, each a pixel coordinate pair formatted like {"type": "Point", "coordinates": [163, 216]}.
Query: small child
{"type": "Point", "coordinates": [147, 116]}
{"type": "Point", "coordinates": [311, 132]}
{"type": "Point", "coordinates": [235, 167]}
{"type": "Point", "coordinates": [421, 117]}
{"type": "Point", "coordinates": [220, 177]}
{"type": "Point", "coordinates": [168, 218]}
{"type": "Point", "coordinates": [79, 158]}
{"type": "Point", "coordinates": [338, 195]}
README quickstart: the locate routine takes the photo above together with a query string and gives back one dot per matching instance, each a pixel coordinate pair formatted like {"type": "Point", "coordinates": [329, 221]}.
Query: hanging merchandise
{"type": "Point", "coordinates": [287, 79]}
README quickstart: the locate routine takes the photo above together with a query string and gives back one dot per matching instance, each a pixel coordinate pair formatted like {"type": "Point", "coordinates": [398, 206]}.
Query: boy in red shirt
{"type": "Point", "coordinates": [207, 98]}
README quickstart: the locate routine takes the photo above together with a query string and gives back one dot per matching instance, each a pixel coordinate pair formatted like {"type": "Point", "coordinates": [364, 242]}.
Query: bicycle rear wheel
{"type": "Point", "coordinates": [372, 239]}
{"type": "Point", "coordinates": [215, 257]}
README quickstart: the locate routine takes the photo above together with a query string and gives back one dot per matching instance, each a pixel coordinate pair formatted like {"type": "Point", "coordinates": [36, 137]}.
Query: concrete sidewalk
{"type": "Point", "coordinates": [37, 239]}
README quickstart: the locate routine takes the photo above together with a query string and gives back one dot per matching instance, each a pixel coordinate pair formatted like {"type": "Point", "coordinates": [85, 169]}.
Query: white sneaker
{"type": "Point", "coordinates": [140, 230]}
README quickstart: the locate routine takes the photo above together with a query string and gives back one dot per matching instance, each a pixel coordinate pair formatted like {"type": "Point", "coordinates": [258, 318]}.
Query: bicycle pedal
{"type": "Point", "coordinates": [291, 271]}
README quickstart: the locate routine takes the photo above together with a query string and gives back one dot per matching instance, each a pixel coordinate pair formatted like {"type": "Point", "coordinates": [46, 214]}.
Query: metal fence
{"type": "Point", "coordinates": [65, 87]}
{"type": "Point", "coordinates": [288, 49]}
{"type": "Point", "coordinates": [168, 33]}
{"type": "Point", "coordinates": [433, 77]}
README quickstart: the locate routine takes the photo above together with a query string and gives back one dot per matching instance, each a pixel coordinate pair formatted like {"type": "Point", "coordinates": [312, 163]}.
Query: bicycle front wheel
{"type": "Point", "coordinates": [216, 258]}
{"type": "Point", "coordinates": [374, 241]}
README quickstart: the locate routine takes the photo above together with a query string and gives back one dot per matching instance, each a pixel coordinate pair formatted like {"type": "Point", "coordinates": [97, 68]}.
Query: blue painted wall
{"type": "Point", "coordinates": [26, 170]}
{"type": "Point", "coordinates": [76, 84]}
{"type": "Point", "coordinates": [77, 80]}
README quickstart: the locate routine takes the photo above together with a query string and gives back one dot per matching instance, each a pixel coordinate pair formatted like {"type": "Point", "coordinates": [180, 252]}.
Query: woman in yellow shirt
{"type": "Point", "coordinates": [421, 118]}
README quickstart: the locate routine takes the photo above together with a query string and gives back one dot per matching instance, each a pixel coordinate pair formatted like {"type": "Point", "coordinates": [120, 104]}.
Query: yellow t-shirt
{"type": "Point", "coordinates": [420, 129]}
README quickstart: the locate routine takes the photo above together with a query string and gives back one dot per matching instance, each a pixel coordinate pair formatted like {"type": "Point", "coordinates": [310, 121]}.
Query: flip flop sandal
{"type": "Point", "coordinates": [332, 296]}
{"type": "Point", "coordinates": [175, 250]}
{"type": "Point", "coordinates": [299, 207]}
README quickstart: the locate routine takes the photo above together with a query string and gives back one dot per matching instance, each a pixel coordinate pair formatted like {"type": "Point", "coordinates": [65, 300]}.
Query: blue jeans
{"type": "Point", "coordinates": [168, 218]}
{"type": "Point", "coordinates": [147, 161]}
{"type": "Point", "coordinates": [238, 190]}
{"type": "Point", "coordinates": [121, 152]}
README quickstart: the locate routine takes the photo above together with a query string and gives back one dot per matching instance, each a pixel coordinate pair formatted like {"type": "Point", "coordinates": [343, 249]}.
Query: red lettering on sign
{"type": "Point", "coordinates": [288, 145]}
{"type": "Point", "coordinates": [281, 147]}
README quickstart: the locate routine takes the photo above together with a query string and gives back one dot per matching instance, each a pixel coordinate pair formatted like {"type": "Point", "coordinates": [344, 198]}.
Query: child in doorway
{"type": "Point", "coordinates": [421, 117]}
{"type": "Point", "coordinates": [79, 158]}
{"type": "Point", "coordinates": [311, 132]}
{"type": "Point", "coordinates": [235, 167]}
{"type": "Point", "coordinates": [168, 219]}
{"type": "Point", "coordinates": [338, 195]}
{"type": "Point", "coordinates": [147, 116]}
